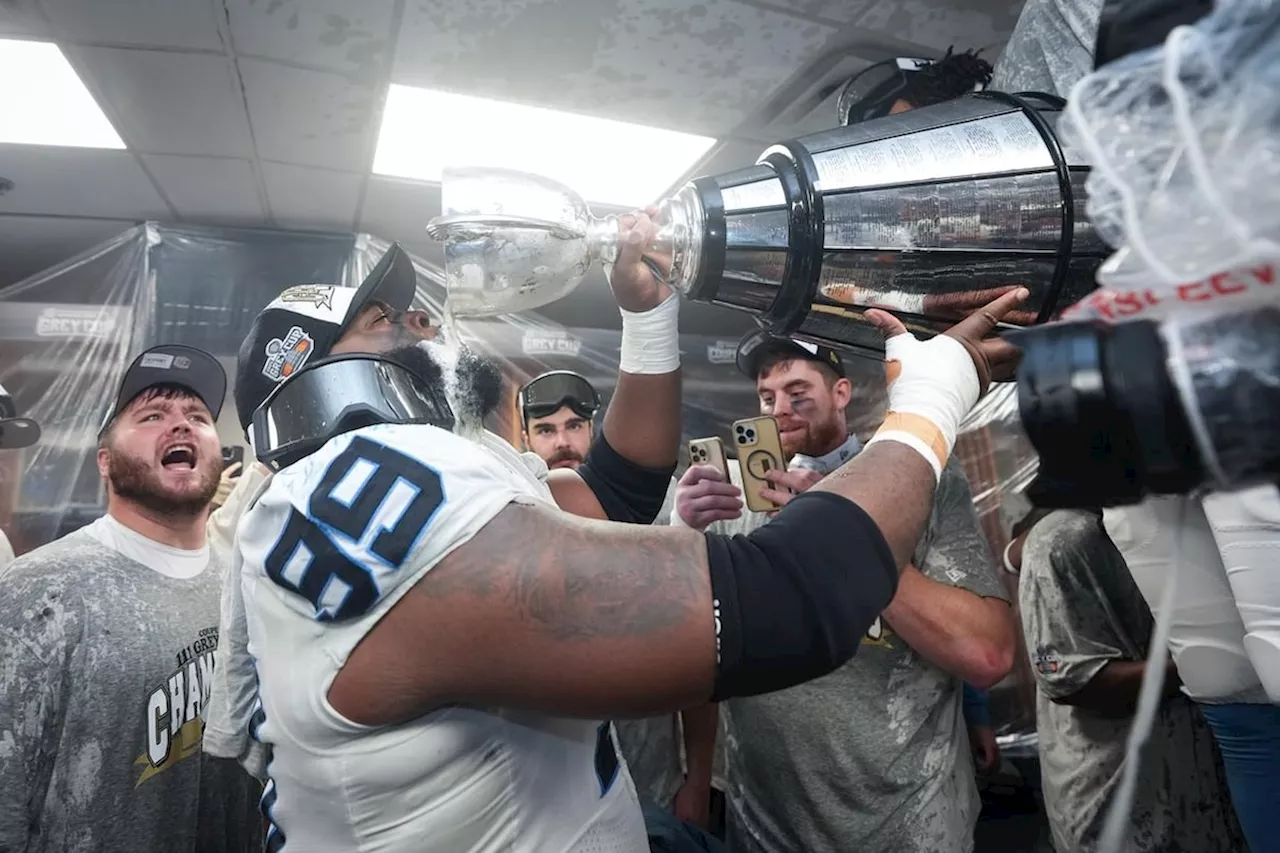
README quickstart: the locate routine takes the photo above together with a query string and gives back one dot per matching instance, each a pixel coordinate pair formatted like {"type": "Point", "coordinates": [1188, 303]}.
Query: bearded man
{"type": "Point", "coordinates": [108, 639]}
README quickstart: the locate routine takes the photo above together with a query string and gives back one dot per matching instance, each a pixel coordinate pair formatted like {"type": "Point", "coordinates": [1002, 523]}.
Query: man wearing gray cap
{"type": "Point", "coordinates": [108, 638]}
{"type": "Point", "coordinates": [875, 755]}
{"type": "Point", "coordinates": [15, 433]}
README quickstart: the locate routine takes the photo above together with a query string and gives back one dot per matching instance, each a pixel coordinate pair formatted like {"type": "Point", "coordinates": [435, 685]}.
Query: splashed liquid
{"type": "Point", "coordinates": [447, 348]}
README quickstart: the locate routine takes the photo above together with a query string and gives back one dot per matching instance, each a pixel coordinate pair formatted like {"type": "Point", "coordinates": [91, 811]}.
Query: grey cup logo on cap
{"type": "Point", "coordinates": [319, 295]}
{"type": "Point", "coordinates": [286, 356]}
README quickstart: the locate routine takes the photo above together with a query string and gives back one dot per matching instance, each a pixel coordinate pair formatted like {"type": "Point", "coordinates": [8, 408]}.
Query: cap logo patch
{"type": "Point", "coordinates": [156, 360]}
{"type": "Point", "coordinates": [181, 362]}
{"type": "Point", "coordinates": [285, 356]}
{"type": "Point", "coordinates": [319, 295]}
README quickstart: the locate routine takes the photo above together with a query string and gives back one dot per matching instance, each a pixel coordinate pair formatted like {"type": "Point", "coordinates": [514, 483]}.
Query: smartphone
{"type": "Point", "coordinates": [231, 455]}
{"type": "Point", "coordinates": [709, 451]}
{"type": "Point", "coordinates": [759, 450]}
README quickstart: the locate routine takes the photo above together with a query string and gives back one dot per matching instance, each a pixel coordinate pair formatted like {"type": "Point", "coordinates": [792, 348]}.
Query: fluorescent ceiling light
{"type": "Point", "coordinates": [43, 102]}
{"type": "Point", "coordinates": [609, 162]}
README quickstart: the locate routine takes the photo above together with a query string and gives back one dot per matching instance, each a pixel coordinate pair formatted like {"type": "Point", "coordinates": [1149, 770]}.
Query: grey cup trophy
{"type": "Point", "coordinates": [929, 213]}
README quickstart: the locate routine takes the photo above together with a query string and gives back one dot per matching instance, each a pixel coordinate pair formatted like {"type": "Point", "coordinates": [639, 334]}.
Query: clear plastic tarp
{"type": "Point", "coordinates": [67, 334]}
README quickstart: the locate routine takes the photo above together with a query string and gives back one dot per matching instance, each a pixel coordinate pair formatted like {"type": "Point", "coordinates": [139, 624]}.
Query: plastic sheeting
{"type": "Point", "coordinates": [67, 334]}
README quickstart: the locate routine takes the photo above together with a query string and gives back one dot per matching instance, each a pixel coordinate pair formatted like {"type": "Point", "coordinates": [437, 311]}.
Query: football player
{"type": "Point", "coordinates": [435, 638]}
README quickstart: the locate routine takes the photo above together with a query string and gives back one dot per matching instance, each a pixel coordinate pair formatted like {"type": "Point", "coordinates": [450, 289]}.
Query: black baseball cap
{"type": "Point", "coordinates": [172, 364]}
{"type": "Point", "coordinates": [15, 432]}
{"type": "Point", "coordinates": [545, 395]}
{"type": "Point", "coordinates": [754, 346]}
{"type": "Point", "coordinates": [305, 321]}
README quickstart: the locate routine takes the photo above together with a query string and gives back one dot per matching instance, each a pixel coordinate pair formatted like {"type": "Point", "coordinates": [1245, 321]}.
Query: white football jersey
{"type": "Point", "coordinates": [332, 544]}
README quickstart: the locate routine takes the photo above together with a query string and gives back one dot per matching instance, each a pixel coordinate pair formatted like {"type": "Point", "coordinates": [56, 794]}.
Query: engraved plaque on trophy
{"type": "Point", "coordinates": [929, 213]}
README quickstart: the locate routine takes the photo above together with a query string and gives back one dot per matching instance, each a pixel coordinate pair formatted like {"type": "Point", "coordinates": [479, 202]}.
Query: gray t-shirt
{"type": "Point", "coordinates": [105, 667]}
{"type": "Point", "coordinates": [1080, 611]}
{"type": "Point", "coordinates": [874, 756]}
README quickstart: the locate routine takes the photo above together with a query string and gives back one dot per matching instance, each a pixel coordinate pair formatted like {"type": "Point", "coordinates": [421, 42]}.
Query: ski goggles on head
{"type": "Point", "coordinates": [547, 394]}
{"type": "Point", "coordinates": [872, 92]}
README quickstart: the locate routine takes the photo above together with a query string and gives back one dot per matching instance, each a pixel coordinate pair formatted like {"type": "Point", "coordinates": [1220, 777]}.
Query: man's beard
{"type": "Point", "coordinates": [132, 479]}
{"type": "Point", "coordinates": [819, 438]}
{"type": "Point", "coordinates": [566, 455]}
{"type": "Point", "coordinates": [470, 382]}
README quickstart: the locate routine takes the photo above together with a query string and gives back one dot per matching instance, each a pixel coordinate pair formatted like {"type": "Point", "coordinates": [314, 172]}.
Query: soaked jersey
{"type": "Point", "coordinates": [105, 671]}
{"type": "Point", "coordinates": [330, 546]}
{"type": "Point", "coordinates": [1080, 611]}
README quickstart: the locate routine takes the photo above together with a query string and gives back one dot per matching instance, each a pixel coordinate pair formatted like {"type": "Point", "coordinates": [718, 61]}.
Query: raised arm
{"type": "Point", "coordinates": [643, 419]}
{"type": "Point", "coordinates": [629, 466]}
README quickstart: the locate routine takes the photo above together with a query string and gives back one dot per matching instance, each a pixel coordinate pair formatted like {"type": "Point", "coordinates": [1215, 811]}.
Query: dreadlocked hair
{"type": "Point", "coordinates": [950, 77]}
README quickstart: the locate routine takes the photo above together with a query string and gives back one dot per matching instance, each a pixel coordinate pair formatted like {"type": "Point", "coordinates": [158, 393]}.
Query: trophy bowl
{"type": "Point", "coordinates": [515, 241]}
{"type": "Point", "coordinates": [929, 213]}
{"type": "Point", "coordinates": [512, 241]}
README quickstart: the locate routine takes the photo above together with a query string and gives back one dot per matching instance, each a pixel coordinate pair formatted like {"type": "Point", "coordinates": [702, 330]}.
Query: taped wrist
{"type": "Point", "coordinates": [794, 598]}
{"type": "Point", "coordinates": [935, 387]}
{"type": "Point", "coordinates": [651, 339]}
{"type": "Point", "coordinates": [626, 491]}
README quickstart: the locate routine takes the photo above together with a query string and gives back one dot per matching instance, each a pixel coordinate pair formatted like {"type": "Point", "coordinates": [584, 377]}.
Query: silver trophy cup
{"type": "Point", "coordinates": [930, 213]}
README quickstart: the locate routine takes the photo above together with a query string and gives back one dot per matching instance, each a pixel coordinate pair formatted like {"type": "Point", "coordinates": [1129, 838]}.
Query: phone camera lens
{"type": "Point", "coordinates": [740, 428]}
{"type": "Point", "coordinates": [751, 434]}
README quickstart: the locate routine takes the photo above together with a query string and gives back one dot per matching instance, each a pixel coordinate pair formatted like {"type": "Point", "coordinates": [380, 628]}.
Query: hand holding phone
{"type": "Point", "coordinates": [709, 451]}
{"type": "Point", "coordinates": [759, 451]}
{"type": "Point", "coordinates": [231, 455]}
{"type": "Point", "coordinates": [706, 493]}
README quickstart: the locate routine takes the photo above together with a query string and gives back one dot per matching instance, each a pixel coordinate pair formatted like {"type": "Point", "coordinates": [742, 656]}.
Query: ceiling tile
{"type": "Point", "coordinates": [309, 117]}
{"type": "Point", "coordinates": [311, 198]}
{"type": "Point", "coordinates": [77, 182]}
{"type": "Point", "coordinates": [336, 34]}
{"type": "Point", "coordinates": [20, 18]}
{"type": "Point", "coordinates": [208, 190]}
{"type": "Point", "coordinates": [160, 23]}
{"type": "Point", "coordinates": [31, 244]}
{"type": "Point", "coordinates": [169, 103]}
{"type": "Point", "coordinates": [695, 67]}
{"type": "Point", "coordinates": [944, 23]}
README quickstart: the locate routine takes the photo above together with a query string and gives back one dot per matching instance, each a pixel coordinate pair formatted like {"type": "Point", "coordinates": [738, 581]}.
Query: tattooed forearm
{"type": "Point", "coordinates": [577, 579]}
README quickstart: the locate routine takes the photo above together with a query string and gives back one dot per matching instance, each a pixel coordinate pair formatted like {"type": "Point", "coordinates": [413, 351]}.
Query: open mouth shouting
{"type": "Point", "coordinates": [179, 457]}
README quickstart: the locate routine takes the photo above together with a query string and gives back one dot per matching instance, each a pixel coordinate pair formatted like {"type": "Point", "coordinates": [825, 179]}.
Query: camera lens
{"type": "Point", "coordinates": [741, 439]}
{"type": "Point", "coordinates": [751, 434]}
{"type": "Point", "coordinates": [1098, 405]}
{"type": "Point", "coordinates": [740, 428]}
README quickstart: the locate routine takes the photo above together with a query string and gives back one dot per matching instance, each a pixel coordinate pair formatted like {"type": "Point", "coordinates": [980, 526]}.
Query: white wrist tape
{"type": "Point", "coordinates": [935, 387]}
{"type": "Point", "coordinates": [651, 339]}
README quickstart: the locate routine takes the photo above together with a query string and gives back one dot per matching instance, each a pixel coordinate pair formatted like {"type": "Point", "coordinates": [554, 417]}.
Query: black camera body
{"type": "Point", "coordinates": [1121, 411]}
